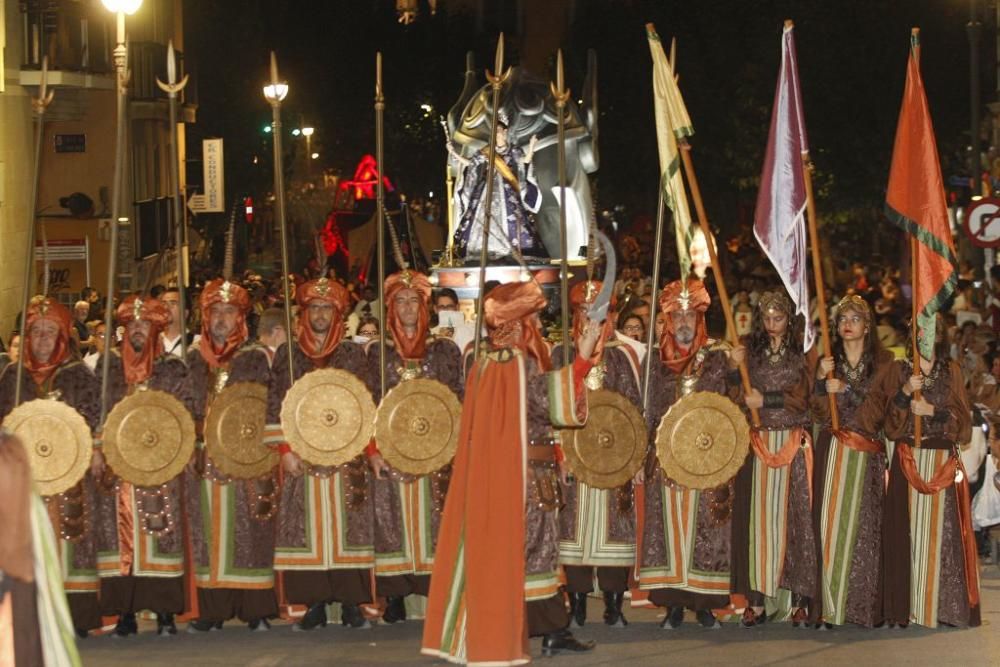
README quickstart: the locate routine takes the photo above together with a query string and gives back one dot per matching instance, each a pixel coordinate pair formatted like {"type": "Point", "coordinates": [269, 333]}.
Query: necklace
{"type": "Point", "coordinates": [855, 374]}
{"type": "Point", "coordinates": [775, 357]}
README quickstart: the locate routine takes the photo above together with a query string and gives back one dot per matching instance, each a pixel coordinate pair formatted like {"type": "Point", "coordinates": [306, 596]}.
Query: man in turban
{"type": "Point", "coordinates": [408, 508]}
{"type": "Point", "coordinates": [141, 533]}
{"type": "Point", "coordinates": [51, 371]}
{"type": "Point", "coordinates": [329, 557]}
{"type": "Point", "coordinates": [233, 545]}
{"type": "Point", "coordinates": [597, 526]}
{"type": "Point", "coordinates": [498, 543]}
{"type": "Point", "coordinates": [688, 361]}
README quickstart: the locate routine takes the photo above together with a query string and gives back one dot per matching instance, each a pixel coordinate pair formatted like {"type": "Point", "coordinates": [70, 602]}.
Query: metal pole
{"type": "Point", "coordinates": [172, 88]}
{"type": "Point", "coordinates": [651, 327]}
{"type": "Point", "coordinates": [973, 29]}
{"type": "Point", "coordinates": [496, 81]}
{"type": "Point", "coordinates": [121, 72]}
{"type": "Point", "coordinates": [40, 104]}
{"type": "Point", "coordinates": [561, 95]}
{"type": "Point", "coordinates": [380, 216]}
{"type": "Point", "coordinates": [279, 200]}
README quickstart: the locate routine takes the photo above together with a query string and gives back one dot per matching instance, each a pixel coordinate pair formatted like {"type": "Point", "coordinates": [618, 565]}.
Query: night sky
{"type": "Point", "coordinates": [852, 57]}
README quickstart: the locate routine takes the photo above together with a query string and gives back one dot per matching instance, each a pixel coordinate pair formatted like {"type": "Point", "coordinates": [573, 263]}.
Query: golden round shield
{"type": "Point", "coordinates": [611, 448]}
{"type": "Point", "coordinates": [702, 440]}
{"type": "Point", "coordinates": [416, 426]}
{"type": "Point", "coordinates": [148, 438]}
{"type": "Point", "coordinates": [234, 431]}
{"type": "Point", "coordinates": [328, 417]}
{"type": "Point", "coordinates": [58, 442]}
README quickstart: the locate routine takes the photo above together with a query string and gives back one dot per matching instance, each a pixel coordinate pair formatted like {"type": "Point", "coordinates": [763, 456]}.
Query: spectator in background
{"type": "Point", "coordinates": [368, 329]}
{"type": "Point", "coordinates": [99, 341]}
{"type": "Point", "coordinates": [81, 311]}
{"type": "Point", "coordinates": [10, 356]}
{"type": "Point", "coordinates": [633, 327]}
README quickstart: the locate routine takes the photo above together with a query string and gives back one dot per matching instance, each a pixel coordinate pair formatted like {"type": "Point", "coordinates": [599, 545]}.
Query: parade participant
{"type": "Point", "coordinates": [773, 548]}
{"type": "Point", "coordinates": [35, 624]}
{"type": "Point", "coordinates": [928, 547]}
{"type": "Point", "coordinates": [319, 566]}
{"type": "Point", "coordinates": [597, 526]}
{"type": "Point", "coordinates": [688, 361]}
{"type": "Point", "coordinates": [271, 333]}
{"type": "Point", "coordinates": [233, 543]}
{"type": "Point", "coordinates": [408, 508]}
{"type": "Point", "coordinates": [498, 542]}
{"type": "Point", "coordinates": [140, 531]}
{"type": "Point", "coordinates": [515, 194]}
{"type": "Point", "coordinates": [849, 473]}
{"type": "Point", "coordinates": [51, 371]}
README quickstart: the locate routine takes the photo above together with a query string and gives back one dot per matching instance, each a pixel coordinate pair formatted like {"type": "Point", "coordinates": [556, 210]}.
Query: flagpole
{"type": "Point", "coordinates": [915, 282]}
{"type": "Point", "coordinates": [380, 216]}
{"type": "Point", "coordinates": [824, 322]}
{"type": "Point", "coordinates": [654, 297]}
{"type": "Point", "coordinates": [561, 95]}
{"type": "Point", "coordinates": [692, 179]}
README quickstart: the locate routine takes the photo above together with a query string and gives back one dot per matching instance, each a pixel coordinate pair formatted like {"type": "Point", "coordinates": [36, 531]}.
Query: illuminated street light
{"type": "Point", "coordinates": [315, 156]}
{"type": "Point", "coordinates": [124, 6]}
{"type": "Point", "coordinates": [308, 131]}
{"type": "Point", "coordinates": [296, 132]}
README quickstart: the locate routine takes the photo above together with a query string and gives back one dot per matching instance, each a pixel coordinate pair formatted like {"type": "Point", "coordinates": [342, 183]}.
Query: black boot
{"type": "Point", "coordinates": [578, 609]}
{"type": "Point", "coordinates": [351, 616]}
{"type": "Point", "coordinates": [259, 625]}
{"type": "Point", "coordinates": [707, 619]}
{"type": "Point", "coordinates": [673, 619]}
{"type": "Point", "coordinates": [613, 609]}
{"type": "Point", "coordinates": [564, 640]}
{"type": "Point", "coordinates": [314, 618]}
{"type": "Point", "coordinates": [395, 610]}
{"type": "Point", "coordinates": [200, 625]}
{"type": "Point", "coordinates": [126, 626]}
{"type": "Point", "coordinates": [165, 625]}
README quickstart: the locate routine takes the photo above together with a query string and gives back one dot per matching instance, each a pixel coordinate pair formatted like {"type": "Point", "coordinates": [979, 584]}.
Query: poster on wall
{"type": "Point", "coordinates": [215, 196]}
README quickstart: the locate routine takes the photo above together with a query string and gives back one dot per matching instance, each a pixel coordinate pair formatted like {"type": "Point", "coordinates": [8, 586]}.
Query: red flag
{"type": "Point", "coordinates": [780, 218]}
{"type": "Point", "coordinates": [916, 202]}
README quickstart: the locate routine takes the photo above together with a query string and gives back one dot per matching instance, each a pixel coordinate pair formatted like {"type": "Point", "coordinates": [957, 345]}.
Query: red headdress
{"type": "Point", "coordinates": [328, 291]}
{"type": "Point", "coordinates": [506, 311]}
{"type": "Point", "coordinates": [414, 347]}
{"type": "Point", "coordinates": [139, 365]}
{"type": "Point", "coordinates": [45, 308]}
{"type": "Point", "coordinates": [677, 297]}
{"type": "Point", "coordinates": [222, 291]}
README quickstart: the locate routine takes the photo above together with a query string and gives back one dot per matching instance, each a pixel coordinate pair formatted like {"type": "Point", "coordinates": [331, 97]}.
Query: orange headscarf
{"type": "Point", "coordinates": [585, 293]}
{"type": "Point", "coordinates": [328, 291]}
{"type": "Point", "coordinates": [415, 347]}
{"type": "Point", "coordinates": [506, 311]}
{"type": "Point", "coordinates": [139, 365]}
{"type": "Point", "coordinates": [672, 299]}
{"type": "Point", "coordinates": [222, 291]}
{"type": "Point", "coordinates": [45, 308]}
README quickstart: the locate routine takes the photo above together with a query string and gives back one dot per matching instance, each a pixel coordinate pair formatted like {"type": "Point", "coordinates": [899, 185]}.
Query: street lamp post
{"type": "Point", "coordinates": [120, 8]}
{"type": "Point", "coordinates": [275, 92]}
{"type": "Point", "coordinates": [307, 132]}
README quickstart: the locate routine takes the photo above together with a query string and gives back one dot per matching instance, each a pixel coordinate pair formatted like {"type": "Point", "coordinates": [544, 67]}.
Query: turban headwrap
{"type": "Point", "coordinates": [506, 310]}
{"type": "Point", "coordinates": [415, 347]}
{"type": "Point", "coordinates": [584, 293]}
{"type": "Point", "coordinates": [139, 365]}
{"type": "Point", "coordinates": [327, 291]}
{"type": "Point", "coordinates": [222, 291]}
{"type": "Point", "coordinates": [45, 308]}
{"type": "Point", "coordinates": [673, 298]}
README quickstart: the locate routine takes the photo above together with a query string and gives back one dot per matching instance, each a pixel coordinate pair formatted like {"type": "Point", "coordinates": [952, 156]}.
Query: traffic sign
{"type": "Point", "coordinates": [982, 223]}
{"type": "Point", "coordinates": [197, 204]}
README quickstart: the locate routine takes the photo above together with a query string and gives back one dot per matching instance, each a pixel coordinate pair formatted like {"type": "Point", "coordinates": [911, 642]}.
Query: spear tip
{"type": "Point", "coordinates": [498, 68]}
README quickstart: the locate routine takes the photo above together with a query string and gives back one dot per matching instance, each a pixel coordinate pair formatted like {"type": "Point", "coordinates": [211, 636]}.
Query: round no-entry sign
{"type": "Point", "coordinates": [982, 223]}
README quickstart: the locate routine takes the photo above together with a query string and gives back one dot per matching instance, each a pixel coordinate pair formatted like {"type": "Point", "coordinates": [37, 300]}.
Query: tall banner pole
{"type": "Point", "coordinates": [561, 95]}
{"type": "Point", "coordinates": [39, 104]}
{"type": "Point", "coordinates": [172, 87]}
{"type": "Point", "coordinates": [654, 297]}
{"type": "Point", "coordinates": [380, 214]}
{"type": "Point", "coordinates": [496, 82]}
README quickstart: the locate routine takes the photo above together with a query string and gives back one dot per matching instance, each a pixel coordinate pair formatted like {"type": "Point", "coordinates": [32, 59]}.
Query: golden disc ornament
{"type": "Point", "coordinates": [611, 448]}
{"type": "Point", "coordinates": [58, 442]}
{"type": "Point", "coordinates": [148, 438]}
{"type": "Point", "coordinates": [328, 417]}
{"type": "Point", "coordinates": [234, 430]}
{"type": "Point", "coordinates": [702, 440]}
{"type": "Point", "coordinates": [416, 426]}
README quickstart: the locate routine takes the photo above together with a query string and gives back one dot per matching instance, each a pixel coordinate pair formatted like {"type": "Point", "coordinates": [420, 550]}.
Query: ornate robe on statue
{"type": "Point", "coordinates": [932, 568]}
{"type": "Point", "coordinates": [597, 526]}
{"type": "Point", "coordinates": [407, 508]}
{"type": "Point", "coordinates": [325, 516]}
{"type": "Point", "coordinates": [73, 384]}
{"type": "Point", "coordinates": [142, 565]}
{"type": "Point", "coordinates": [685, 559]}
{"type": "Point", "coordinates": [499, 539]}
{"type": "Point", "coordinates": [232, 530]}
{"type": "Point", "coordinates": [848, 493]}
{"type": "Point", "coordinates": [515, 194]}
{"type": "Point", "coordinates": [772, 513]}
